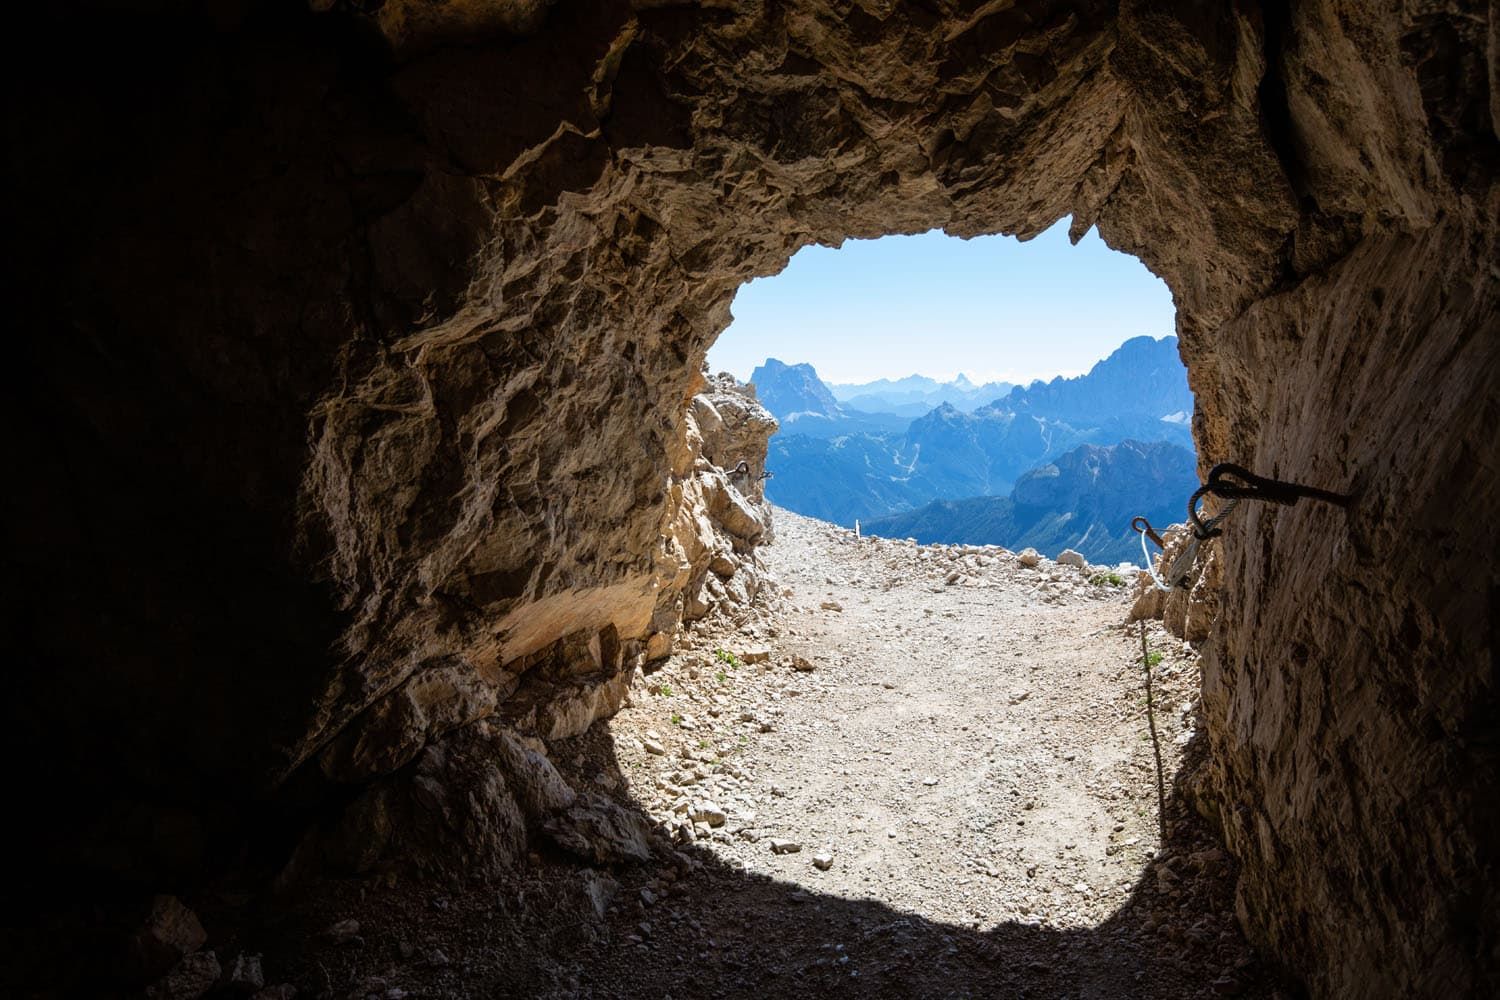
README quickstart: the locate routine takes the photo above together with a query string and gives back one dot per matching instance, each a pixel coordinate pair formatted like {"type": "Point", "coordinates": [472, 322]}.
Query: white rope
{"type": "Point", "coordinates": [1150, 568]}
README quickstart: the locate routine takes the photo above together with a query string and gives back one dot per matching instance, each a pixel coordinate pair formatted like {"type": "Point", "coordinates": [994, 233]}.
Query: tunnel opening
{"type": "Point", "coordinates": [351, 334]}
{"type": "Point", "coordinates": [982, 391]}
{"type": "Point", "coordinates": [716, 741]}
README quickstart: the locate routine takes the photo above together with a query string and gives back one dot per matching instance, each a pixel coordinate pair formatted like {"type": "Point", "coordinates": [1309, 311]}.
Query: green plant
{"type": "Point", "coordinates": [676, 719]}
{"type": "Point", "coordinates": [663, 690]}
{"type": "Point", "coordinates": [1153, 659]}
{"type": "Point", "coordinates": [722, 676]}
{"type": "Point", "coordinates": [703, 744]}
{"type": "Point", "coordinates": [1109, 577]}
{"type": "Point", "coordinates": [726, 657]}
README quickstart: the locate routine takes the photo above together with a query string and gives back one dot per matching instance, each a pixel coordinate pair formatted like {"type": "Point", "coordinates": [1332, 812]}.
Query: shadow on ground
{"type": "Point", "coordinates": [692, 925]}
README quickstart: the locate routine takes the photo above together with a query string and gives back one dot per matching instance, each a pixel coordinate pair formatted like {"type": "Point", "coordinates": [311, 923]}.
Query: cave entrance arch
{"type": "Point", "coordinates": [1048, 357]}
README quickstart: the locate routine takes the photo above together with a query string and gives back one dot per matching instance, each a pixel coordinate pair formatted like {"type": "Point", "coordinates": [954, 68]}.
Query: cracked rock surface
{"type": "Point", "coordinates": [360, 347]}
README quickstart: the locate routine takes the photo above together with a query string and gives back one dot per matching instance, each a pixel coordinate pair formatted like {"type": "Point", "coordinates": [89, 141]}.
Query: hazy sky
{"type": "Point", "coordinates": [992, 308]}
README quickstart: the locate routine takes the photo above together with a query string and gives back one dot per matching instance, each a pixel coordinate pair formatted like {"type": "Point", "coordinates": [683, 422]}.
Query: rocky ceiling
{"type": "Point", "coordinates": [354, 343]}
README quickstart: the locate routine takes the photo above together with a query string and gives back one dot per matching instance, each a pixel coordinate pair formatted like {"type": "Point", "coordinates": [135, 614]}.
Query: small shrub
{"type": "Point", "coordinates": [663, 690]}
{"type": "Point", "coordinates": [676, 719]}
{"type": "Point", "coordinates": [726, 657]}
{"type": "Point", "coordinates": [722, 676]}
{"type": "Point", "coordinates": [1108, 578]}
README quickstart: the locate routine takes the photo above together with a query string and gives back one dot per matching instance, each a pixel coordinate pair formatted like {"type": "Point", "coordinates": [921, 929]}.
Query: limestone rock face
{"type": "Point", "coordinates": [361, 393]}
{"type": "Point", "coordinates": [719, 511]}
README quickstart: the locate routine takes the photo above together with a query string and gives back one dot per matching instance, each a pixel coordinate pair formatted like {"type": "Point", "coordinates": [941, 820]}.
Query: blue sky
{"type": "Point", "coordinates": [991, 307]}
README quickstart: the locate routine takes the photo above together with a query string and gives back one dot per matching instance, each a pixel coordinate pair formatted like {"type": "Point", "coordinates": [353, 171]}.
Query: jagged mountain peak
{"type": "Point", "coordinates": [789, 390]}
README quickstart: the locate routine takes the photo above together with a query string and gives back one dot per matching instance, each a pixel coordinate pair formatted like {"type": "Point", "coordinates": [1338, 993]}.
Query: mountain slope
{"type": "Point", "coordinates": [1083, 500]}
{"type": "Point", "coordinates": [841, 478]}
{"type": "Point", "coordinates": [854, 465]}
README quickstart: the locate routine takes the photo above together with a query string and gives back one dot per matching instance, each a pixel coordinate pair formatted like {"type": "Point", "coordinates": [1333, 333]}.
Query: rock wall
{"type": "Point", "coordinates": [360, 352]}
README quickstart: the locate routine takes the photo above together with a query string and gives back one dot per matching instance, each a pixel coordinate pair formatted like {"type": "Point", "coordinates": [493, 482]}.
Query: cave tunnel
{"type": "Point", "coordinates": [356, 345]}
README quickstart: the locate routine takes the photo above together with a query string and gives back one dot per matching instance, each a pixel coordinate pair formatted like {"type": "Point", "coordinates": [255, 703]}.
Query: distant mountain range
{"type": "Point", "coordinates": [804, 404]}
{"type": "Point", "coordinates": [917, 394]}
{"type": "Point", "coordinates": [839, 464]}
{"type": "Point", "coordinates": [1083, 500]}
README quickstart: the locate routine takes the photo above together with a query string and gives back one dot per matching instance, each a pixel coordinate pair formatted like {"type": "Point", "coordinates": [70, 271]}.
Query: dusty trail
{"type": "Point", "coordinates": [957, 799]}
{"type": "Point", "coordinates": [951, 739]}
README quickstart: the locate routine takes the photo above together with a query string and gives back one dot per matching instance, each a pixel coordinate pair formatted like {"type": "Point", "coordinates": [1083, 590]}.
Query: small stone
{"type": "Point", "coordinates": [342, 931]}
{"type": "Point", "coordinates": [929, 781]}
{"type": "Point", "coordinates": [654, 747]}
{"type": "Point", "coordinates": [779, 846]}
{"type": "Point", "coordinates": [281, 991]}
{"type": "Point", "coordinates": [1019, 695]}
{"type": "Point", "coordinates": [823, 860]}
{"type": "Point", "coordinates": [754, 654]}
{"type": "Point", "coordinates": [802, 664]}
{"type": "Point", "coordinates": [707, 812]}
{"type": "Point", "coordinates": [831, 606]}
{"type": "Point", "coordinates": [1028, 557]}
{"type": "Point", "coordinates": [600, 890]}
{"type": "Point", "coordinates": [244, 975]}
{"type": "Point", "coordinates": [1069, 557]}
{"type": "Point", "coordinates": [192, 977]}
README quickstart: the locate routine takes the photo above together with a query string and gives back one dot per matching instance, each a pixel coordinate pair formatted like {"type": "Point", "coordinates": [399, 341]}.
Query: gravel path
{"type": "Point", "coordinates": [912, 771]}
{"type": "Point", "coordinates": [966, 752]}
